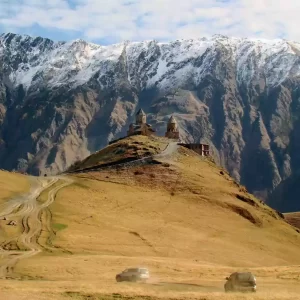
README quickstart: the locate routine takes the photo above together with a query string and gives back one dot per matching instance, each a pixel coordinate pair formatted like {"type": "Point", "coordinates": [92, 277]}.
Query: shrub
{"type": "Point", "coordinates": [138, 172]}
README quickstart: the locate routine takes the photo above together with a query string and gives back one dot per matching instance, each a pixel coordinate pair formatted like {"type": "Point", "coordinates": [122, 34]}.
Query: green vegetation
{"type": "Point", "coordinates": [58, 226]}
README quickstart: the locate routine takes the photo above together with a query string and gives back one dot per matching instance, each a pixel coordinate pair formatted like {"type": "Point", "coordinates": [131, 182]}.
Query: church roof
{"type": "Point", "coordinates": [139, 127]}
{"type": "Point", "coordinates": [140, 112]}
{"type": "Point", "coordinates": [172, 120]}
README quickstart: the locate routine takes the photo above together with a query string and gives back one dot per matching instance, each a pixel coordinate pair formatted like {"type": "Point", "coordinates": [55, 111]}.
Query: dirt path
{"type": "Point", "coordinates": [168, 152]}
{"type": "Point", "coordinates": [29, 210]}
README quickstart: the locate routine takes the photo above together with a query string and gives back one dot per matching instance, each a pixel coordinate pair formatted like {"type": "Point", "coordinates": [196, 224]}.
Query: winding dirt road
{"type": "Point", "coordinates": [168, 152]}
{"type": "Point", "coordinates": [28, 210]}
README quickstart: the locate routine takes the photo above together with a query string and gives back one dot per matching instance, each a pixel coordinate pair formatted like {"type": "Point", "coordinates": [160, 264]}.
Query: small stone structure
{"type": "Point", "coordinates": [172, 129]}
{"type": "Point", "coordinates": [140, 126]}
{"type": "Point", "coordinates": [201, 149]}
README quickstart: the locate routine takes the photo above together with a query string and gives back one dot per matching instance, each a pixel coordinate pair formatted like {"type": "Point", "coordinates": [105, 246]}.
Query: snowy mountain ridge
{"type": "Point", "coordinates": [76, 62]}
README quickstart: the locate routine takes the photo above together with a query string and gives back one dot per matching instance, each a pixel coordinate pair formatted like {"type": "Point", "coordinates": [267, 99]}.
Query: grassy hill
{"type": "Point", "coordinates": [186, 220]}
{"type": "Point", "coordinates": [191, 208]}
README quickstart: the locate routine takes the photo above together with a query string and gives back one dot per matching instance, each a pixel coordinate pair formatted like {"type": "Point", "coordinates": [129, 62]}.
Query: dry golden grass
{"type": "Point", "coordinates": [12, 184]}
{"type": "Point", "coordinates": [183, 221]}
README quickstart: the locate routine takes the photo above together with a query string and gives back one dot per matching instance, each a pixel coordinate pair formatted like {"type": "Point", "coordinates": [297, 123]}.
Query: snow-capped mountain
{"type": "Point", "coordinates": [61, 101]}
{"type": "Point", "coordinates": [148, 64]}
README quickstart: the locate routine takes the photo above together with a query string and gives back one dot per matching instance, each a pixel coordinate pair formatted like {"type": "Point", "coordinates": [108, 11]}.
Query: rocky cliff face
{"type": "Point", "coordinates": [61, 101]}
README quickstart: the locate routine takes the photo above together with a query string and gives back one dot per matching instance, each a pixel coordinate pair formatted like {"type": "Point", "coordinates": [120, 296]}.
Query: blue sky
{"type": "Point", "coordinates": [112, 21]}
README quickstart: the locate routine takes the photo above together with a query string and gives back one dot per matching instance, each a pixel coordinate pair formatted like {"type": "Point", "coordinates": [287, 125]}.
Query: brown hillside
{"type": "Point", "coordinates": [184, 218]}
{"type": "Point", "coordinates": [293, 219]}
{"type": "Point", "coordinates": [181, 210]}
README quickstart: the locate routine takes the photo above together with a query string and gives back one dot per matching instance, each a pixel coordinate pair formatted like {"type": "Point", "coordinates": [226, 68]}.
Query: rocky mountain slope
{"type": "Point", "coordinates": [61, 101]}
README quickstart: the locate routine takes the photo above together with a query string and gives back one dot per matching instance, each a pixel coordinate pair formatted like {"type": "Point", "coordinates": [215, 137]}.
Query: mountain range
{"type": "Point", "coordinates": [61, 101]}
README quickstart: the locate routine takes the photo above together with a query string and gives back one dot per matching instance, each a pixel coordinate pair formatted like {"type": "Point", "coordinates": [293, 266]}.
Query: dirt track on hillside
{"type": "Point", "coordinates": [28, 210]}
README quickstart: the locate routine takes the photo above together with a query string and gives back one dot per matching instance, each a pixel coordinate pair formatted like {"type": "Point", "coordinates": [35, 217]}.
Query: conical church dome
{"type": "Point", "coordinates": [172, 120]}
{"type": "Point", "coordinates": [172, 127]}
{"type": "Point", "coordinates": [140, 117]}
{"type": "Point", "coordinates": [140, 113]}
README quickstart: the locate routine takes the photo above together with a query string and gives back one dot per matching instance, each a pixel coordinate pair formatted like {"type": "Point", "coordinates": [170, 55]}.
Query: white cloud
{"type": "Point", "coordinates": [117, 20]}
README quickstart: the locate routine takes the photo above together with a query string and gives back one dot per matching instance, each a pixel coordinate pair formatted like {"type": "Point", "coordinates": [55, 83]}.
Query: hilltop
{"type": "Point", "coordinates": [180, 215]}
{"type": "Point", "coordinates": [121, 151]}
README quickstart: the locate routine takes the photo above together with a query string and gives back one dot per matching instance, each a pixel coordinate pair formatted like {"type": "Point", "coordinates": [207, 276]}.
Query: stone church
{"type": "Point", "coordinates": [140, 126]}
{"type": "Point", "coordinates": [172, 129]}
